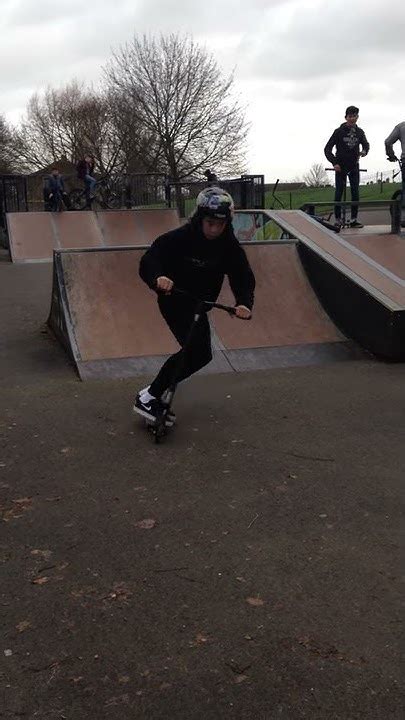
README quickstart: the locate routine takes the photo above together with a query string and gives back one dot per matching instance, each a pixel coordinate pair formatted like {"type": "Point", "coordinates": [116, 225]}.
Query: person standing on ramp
{"type": "Point", "coordinates": [194, 259]}
{"type": "Point", "coordinates": [348, 138]}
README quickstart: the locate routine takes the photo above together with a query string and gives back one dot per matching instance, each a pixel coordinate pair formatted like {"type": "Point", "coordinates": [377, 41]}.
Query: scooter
{"type": "Point", "coordinates": [159, 428]}
{"type": "Point", "coordinates": [398, 193]}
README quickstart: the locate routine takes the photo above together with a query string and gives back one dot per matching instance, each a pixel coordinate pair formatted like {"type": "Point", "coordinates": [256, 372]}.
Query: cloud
{"type": "Point", "coordinates": [299, 63]}
{"type": "Point", "coordinates": [311, 39]}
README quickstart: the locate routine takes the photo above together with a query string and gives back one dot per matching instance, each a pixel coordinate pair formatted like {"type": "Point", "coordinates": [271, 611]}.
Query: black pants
{"type": "Point", "coordinates": [52, 203]}
{"type": "Point", "coordinates": [340, 184]}
{"type": "Point", "coordinates": [179, 315]}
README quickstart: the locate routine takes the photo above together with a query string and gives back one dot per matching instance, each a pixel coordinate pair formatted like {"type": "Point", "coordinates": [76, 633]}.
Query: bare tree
{"type": "Point", "coordinates": [67, 122]}
{"type": "Point", "coordinates": [137, 146]}
{"type": "Point", "coordinates": [6, 145]}
{"type": "Point", "coordinates": [181, 105]}
{"type": "Point", "coordinates": [316, 176]}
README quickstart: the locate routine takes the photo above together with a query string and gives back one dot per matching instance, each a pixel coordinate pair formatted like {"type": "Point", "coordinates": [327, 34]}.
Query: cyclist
{"type": "Point", "coordinates": [194, 258]}
{"type": "Point", "coordinates": [54, 190]}
{"type": "Point", "coordinates": [348, 138]}
{"type": "Point", "coordinates": [85, 170]}
{"type": "Point", "coordinates": [398, 133]}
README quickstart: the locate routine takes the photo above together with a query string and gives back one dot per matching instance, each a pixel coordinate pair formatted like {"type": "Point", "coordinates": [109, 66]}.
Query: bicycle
{"type": "Point", "coordinates": [158, 427]}
{"type": "Point", "coordinates": [104, 195]}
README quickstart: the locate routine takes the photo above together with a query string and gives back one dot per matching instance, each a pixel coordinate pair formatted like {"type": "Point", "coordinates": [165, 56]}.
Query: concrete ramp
{"type": "Point", "coordinates": [123, 227]}
{"type": "Point", "coordinates": [108, 319]}
{"type": "Point", "coordinates": [358, 278]}
{"type": "Point", "coordinates": [33, 236]}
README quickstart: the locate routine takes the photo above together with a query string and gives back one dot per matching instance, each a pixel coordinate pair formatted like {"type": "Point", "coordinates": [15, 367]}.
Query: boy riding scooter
{"type": "Point", "coordinates": [194, 258]}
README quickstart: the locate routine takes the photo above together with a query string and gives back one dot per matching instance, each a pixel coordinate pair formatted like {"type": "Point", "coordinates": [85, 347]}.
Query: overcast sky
{"type": "Point", "coordinates": [298, 63]}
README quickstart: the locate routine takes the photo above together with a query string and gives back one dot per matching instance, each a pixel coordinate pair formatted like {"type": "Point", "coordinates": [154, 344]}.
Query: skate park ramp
{"type": "Point", "coordinates": [33, 236]}
{"type": "Point", "coordinates": [108, 320]}
{"type": "Point", "coordinates": [359, 279]}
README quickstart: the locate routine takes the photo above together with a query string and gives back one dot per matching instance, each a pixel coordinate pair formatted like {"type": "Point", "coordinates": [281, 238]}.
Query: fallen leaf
{"type": "Point", "coordinates": [146, 524]}
{"type": "Point", "coordinates": [255, 601]}
{"type": "Point", "coordinates": [19, 506]}
{"type": "Point", "coordinates": [65, 450]}
{"type": "Point", "coordinates": [23, 625]}
{"type": "Point", "coordinates": [200, 639]}
{"type": "Point", "coordinates": [40, 580]}
{"type": "Point", "coordinates": [240, 679]}
{"type": "Point", "coordinates": [123, 679]}
{"type": "Point", "coordinates": [120, 591]}
{"type": "Point", "coordinates": [165, 686]}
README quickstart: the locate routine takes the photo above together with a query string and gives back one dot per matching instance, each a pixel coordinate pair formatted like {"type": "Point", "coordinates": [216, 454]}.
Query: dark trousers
{"type": "Point", "coordinates": [179, 315]}
{"type": "Point", "coordinates": [340, 184]}
{"type": "Point", "coordinates": [52, 203]}
{"type": "Point", "coordinates": [403, 187]}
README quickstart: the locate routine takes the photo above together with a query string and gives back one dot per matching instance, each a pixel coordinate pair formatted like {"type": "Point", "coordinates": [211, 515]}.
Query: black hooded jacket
{"type": "Point", "coordinates": [347, 140]}
{"type": "Point", "coordinates": [198, 265]}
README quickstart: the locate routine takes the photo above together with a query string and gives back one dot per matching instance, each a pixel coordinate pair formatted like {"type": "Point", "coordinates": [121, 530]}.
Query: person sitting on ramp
{"type": "Point", "coordinates": [194, 259]}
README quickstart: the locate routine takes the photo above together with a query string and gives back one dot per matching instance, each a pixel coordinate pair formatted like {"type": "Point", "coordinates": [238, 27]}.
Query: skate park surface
{"type": "Point", "coordinates": [246, 568]}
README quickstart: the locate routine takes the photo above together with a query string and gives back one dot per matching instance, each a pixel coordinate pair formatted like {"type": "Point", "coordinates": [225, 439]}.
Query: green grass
{"type": "Point", "coordinates": [299, 197]}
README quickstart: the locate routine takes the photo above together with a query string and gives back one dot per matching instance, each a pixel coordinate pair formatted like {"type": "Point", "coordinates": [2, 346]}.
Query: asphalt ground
{"type": "Point", "coordinates": [247, 568]}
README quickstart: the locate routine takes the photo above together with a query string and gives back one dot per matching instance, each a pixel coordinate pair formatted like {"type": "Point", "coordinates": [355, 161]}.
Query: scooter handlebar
{"type": "Point", "coordinates": [208, 304]}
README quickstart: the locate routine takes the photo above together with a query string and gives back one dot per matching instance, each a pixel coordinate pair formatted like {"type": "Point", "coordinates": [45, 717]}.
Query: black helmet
{"type": "Point", "coordinates": [216, 203]}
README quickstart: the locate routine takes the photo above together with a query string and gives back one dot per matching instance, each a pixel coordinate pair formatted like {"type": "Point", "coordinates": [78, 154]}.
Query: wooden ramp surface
{"type": "Point", "coordinates": [359, 279]}
{"type": "Point", "coordinates": [33, 236]}
{"type": "Point", "coordinates": [113, 326]}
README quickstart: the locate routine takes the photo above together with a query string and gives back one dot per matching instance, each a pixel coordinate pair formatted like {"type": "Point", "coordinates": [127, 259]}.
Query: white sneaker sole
{"type": "Point", "coordinates": [144, 414]}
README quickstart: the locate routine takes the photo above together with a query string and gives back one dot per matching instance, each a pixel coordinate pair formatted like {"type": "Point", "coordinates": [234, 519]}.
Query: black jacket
{"type": "Point", "coordinates": [198, 265]}
{"type": "Point", "coordinates": [54, 184]}
{"type": "Point", "coordinates": [347, 140]}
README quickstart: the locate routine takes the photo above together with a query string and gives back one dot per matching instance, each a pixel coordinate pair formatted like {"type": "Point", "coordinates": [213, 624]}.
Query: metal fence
{"type": "Point", "coordinates": [19, 193]}
{"type": "Point", "coordinates": [13, 196]}
{"type": "Point", "coordinates": [247, 192]}
{"type": "Point", "coordinates": [134, 190]}
{"type": "Point", "coordinates": [139, 190]}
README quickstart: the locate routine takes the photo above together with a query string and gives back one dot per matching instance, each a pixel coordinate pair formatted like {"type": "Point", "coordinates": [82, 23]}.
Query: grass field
{"type": "Point", "coordinates": [295, 199]}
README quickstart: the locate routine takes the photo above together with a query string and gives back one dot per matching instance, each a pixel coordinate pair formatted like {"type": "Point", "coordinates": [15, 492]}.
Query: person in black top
{"type": "Point", "coordinates": [348, 138]}
{"type": "Point", "coordinates": [54, 191]}
{"type": "Point", "coordinates": [212, 179]}
{"type": "Point", "coordinates": [194, 258]}
{"type": "Point", "coordinates": [85, 171]}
